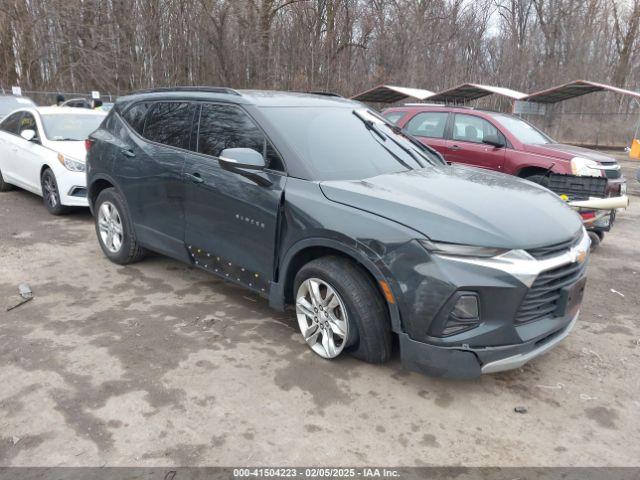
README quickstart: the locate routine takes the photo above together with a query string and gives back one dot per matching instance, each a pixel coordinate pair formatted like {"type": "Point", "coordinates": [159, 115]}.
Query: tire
{"type": "Point", "coordinates": [368, 335]}
{"type": "Point", "coordinates": [50, 193]}
{"type": "Point", "coordinates": [595, 240]}
{"type": "Point", "coordinates": [4, 186]}
{"type": "Point", "coordinates": [114, 228]}
{"type": "Point", "coordinates": [539, 179]}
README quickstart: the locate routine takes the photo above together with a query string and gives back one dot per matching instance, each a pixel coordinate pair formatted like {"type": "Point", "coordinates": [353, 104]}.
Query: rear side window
{"type": "Point", "coordinates": [11, 123]}
{"type": "Point", "coordinates": [470, 128]}
{"type": "Point", "coordinates": [169, 123]}
{"type": "Point", "coordinates": [226, 126]}
{"type": "Point", "coordinates": [135, 116]}
{"type": "Point", "coordinates": [394, 117]}
{"type": "Point", "coordinates": [428, 124]}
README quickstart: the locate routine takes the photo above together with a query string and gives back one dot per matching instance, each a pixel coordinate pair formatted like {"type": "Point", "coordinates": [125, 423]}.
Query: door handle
{"type": "Point", "coordinates": [127, 152]}
{"type": "Point", "coordinates": [455, 147]}
{"type": "Point", "coordinates": [194, 177]}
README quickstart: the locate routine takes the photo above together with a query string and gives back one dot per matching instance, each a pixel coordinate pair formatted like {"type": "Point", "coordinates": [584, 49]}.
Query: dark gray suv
{"type": "Point", "coordinates": [316, 201]}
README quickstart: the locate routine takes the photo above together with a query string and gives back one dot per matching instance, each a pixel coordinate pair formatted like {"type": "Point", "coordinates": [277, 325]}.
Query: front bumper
{"type": "Point", "coordinates": [469, 363]}
{"type": "Point", "coordinates": [73, 188]}
{"type": "Point", "coordinates": [506, 337]}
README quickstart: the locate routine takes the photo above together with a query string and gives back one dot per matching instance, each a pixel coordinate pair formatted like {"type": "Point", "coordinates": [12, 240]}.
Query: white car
{"type": "Point", "coordinates": [43, 150]}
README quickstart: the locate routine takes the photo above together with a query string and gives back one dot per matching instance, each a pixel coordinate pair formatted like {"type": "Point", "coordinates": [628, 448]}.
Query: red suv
{"type": "Point", "coordinates": [501, 142]}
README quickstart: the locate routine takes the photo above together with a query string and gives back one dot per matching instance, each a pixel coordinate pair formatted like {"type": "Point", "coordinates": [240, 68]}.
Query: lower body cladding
{"type": "Point", "coordinates": [490, 315]}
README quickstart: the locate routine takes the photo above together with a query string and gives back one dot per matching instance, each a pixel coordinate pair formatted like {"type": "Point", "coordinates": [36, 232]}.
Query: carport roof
{"type": "Point", "coordinates": [391, 94]}
{"type": "Point", "coordinates": [575, 89]}
{"type": "Point", "coordinates": [472, 91]}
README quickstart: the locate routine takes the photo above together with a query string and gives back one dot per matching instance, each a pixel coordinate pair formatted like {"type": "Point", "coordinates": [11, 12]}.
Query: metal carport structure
{"type": "Point", "coordinates": [574, 89]}
{"type": "Point", "coordinates": [468, 92]}
{"type": "Point", "coordinates": [391, 94]}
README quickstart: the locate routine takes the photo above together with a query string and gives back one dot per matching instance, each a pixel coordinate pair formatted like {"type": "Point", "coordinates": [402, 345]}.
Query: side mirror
{"type": "Point", "coordinates": [494, 141]}
{"type": "Point", "coordinates": [28, 134]}
{"type": "Point", "coordinates": [244, 158]}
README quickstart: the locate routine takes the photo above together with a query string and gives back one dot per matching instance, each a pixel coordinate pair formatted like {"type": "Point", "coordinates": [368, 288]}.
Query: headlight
{"type": "Point", "coordinates": [585, 168]}
{"type": "Point", "coordinates": [458, 250]}
{"type": "Point", "coordinates": [71, 163]}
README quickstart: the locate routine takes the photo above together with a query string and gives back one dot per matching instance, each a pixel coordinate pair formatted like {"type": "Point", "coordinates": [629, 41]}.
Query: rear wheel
{"type": "Point", "coordinates": [115, 230]}
{"type": "Point", "coordinates": [340, 309]}
{"type": "Point", "coordinates": [4, 186]}
{"type": "Point", "coordinates": [50, 193]}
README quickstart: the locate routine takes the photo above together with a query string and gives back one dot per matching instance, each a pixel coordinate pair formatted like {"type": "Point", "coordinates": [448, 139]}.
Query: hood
{"type": "Point", "coordinates": [463, 205]}
{"type": "Point", "coordinates": [567, 152]}
{"type": "Point", "coordinates": [76, 150]}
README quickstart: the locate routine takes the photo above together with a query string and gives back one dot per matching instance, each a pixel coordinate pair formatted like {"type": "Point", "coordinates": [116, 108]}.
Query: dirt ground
{"type": "Point", "coordinates": [161, 364]}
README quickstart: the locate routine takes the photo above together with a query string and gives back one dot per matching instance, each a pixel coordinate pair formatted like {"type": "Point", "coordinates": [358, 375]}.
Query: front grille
{"type": "Point", "coordinates": [542, 298]}
{"type": "Point", "coordinates": [576, 187]}
{"type": "Point", "coordinates": [556, 249]}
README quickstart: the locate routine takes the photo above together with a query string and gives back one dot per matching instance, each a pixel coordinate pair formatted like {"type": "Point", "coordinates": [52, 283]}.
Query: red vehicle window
{"type": "Point", "coordinates": [469, 128]}
{"type": "Point", "coordinates": [428, 124]}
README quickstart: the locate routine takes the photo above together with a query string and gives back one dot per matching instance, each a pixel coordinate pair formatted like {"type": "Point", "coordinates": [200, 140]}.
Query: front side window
{"type": "Point", "coordinates": [28, 122]}
{"type": "Point", "coordinates": [226, 126]}
{"type": "Point", "coordinates": [63, 127]}
{"type": "Point", "coordinates": [394, 117]}
{"type": "Point", "coordinates": [428, 124]}
{"type": "Point", "coordinates": [469, 128]}
{"type": "Point", "coordinates": [169, 123]}
{"type": "Point", "coordinates": [11, 123]}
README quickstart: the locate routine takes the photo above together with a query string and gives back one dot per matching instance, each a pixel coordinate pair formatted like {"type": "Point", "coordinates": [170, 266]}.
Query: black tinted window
{"type": "Point", "coordinates": [135, 116]}
{"type": "Point", "coordinates": [225, 126]}
{"type": "Point", "coordinates": [11, 123]}
{"type": "Point", "coordinates": [169, 123]}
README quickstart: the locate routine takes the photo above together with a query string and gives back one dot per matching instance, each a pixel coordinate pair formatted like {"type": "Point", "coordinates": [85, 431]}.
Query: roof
{"type": "Point", "coordinates": [472, 91]}
{"type": "Point", "coordinates": [575, 89]}
{"type": "Point", "coordinates": [391, 94]}
{"type": "Point", "coordinates": [260, 98]}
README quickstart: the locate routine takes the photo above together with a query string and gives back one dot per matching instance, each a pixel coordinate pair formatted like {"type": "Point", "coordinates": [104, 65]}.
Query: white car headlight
{"type": "Point", "coordinates": [585, 167]}
{"type": "Point", "coordinates": [71, 163]}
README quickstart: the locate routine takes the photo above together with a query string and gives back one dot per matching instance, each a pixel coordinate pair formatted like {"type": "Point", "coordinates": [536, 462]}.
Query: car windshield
{"type": "Point", "coordinates": [523, 131]}
{"type": "Point", "coordinates": [8, 104]}
{"type": "Point", "coordinates": [340, 143]}
{"type": "Point", "coordinates": [63, 127]}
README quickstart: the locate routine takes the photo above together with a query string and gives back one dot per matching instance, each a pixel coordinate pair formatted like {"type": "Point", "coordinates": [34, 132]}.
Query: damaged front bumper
{"type": "Point", "coordinates": [464, 363]}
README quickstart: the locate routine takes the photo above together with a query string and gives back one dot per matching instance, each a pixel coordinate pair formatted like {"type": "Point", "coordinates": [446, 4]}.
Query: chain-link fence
{"type": "Point", "coordinates": [43, 98]}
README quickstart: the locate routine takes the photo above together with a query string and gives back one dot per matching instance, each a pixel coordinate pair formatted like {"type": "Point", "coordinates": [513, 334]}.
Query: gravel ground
{"type": "Point", "coordinates": [160, 364]}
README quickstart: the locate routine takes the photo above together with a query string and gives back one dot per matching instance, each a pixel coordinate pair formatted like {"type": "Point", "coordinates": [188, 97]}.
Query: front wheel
{"type": "Point", "coordinates": [4, 186]}
{"type": "Point", "coordinates": [339, 308]}
{"type": "Point", "coordinates": [50, 193]}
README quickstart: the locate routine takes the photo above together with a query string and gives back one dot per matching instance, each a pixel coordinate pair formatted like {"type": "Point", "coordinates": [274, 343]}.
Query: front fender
{"type": "Point", "coordinates": [360, 254]}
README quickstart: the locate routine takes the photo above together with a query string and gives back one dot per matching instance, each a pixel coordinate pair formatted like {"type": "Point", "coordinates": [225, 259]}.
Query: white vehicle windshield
{"type": "Point", "coordinates": [76, 127]}
{"type": "Point", "coordinates": [523, 131]}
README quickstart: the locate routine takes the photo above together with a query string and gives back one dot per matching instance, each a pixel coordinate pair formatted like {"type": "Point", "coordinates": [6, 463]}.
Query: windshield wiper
{"type": "Point", "coordinates": [372, 128]}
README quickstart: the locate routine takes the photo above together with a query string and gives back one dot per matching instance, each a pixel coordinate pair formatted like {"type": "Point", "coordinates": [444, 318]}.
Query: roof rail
{"type": "Point", "coordinates": [319, 92]}
{"type": "Point", "coordinates": [230, 91]}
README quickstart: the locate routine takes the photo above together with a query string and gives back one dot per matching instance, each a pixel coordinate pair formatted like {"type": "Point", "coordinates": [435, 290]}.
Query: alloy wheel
{"type": "Point", "coordinates": [322, 317]}
{"type": "Point", "coordinates": [50, 192]}
{"type": "Point", "coordinates": [110, 227]}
